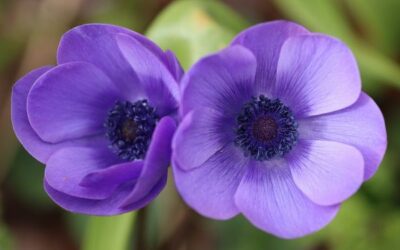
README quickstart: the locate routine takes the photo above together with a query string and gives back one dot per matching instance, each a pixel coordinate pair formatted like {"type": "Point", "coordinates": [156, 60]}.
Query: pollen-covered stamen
{"type": "Point", "coordinates": [129, 127]}
{"type": "Point", "coordinates": [265, 129]}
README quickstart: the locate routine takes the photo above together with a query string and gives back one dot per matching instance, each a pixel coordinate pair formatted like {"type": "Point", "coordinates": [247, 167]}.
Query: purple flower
{"type": "Point", "coordinates": [101, 120]}
{"type": "Point", "coordinates": [276, 127]}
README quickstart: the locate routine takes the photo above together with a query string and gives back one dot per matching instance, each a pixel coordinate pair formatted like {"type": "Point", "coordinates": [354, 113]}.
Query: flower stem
{"type": "Point", "coordinates": [141, 227]}
{"type": "Point", "coordinates": [105, 233]}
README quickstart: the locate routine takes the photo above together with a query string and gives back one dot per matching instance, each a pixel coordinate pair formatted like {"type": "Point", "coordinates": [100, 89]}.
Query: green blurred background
{"type": "Point", "coordinates": [29, 34]}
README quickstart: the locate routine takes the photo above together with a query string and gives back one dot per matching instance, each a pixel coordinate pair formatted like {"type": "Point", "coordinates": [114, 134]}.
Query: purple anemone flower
{"type": "Point", "coordinates": [276, 127]}
{"type": "Point", "coordinates": [102, 120]}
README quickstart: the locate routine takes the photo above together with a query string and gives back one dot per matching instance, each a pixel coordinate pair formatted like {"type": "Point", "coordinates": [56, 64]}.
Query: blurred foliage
{"type": "Point", "coordinates": [77, 225]}
{"type": "Point", "coordinates": [105, 233]}
{"type": "Point", "coordinates": [133, 14]}
{"type": "Point", "coordinates": [369, 220]}
{"type": "Point", "coordinates": [26, 182]}
{"type": "Point", "coordinates": [193, 29]}
{"type": "Point", "coordinates": [6, 241]}
{"type": "Point", "coordinates": [378, 19]}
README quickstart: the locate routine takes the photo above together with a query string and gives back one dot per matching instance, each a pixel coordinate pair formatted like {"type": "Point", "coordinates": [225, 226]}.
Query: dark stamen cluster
{"type": "Point", "coordinates": [129, 127]}
{"type": "Point", "coordinates": [265, 128]}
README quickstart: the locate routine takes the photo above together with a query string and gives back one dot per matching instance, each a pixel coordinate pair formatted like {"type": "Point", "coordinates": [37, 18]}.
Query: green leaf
{"type": "Point", "coordinates": [105, 233]}
{"type": "Point", "coordinates": [193, 29]}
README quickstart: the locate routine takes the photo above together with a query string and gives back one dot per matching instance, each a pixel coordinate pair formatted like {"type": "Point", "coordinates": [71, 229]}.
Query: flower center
{"type": "Point", "coordinates": [129, 127]}
{"type": "Point", "coordinates": [265, 129]}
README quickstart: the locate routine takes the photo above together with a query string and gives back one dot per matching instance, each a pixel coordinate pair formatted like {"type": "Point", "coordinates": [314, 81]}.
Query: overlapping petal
{"type": "Point", "coordinates": [156, 162]}
{"type": "Point", "coordinates": [70, 101]}
{"type": "Point", "coordinates": [157, 82]}
{"type": "Point", "coordinates": [361, 125]}
{"type": "Point", "coordinates": [210, 188]}
{"type": "Point", "coordinates": [265, 41]}
{"type": "Point", "coordinates": [38, 148]}
{"type": "Point", "coordinates": [109, 206]}
{"type": "Point", "coordinates": [221, 81]}
{"type": "Point", "coordinates": [316, 74]}
{"type": "Point", "coordinates": [269, 198]}
{"type": "Point", "coordinates": [67, 167]}
{"type": "Point", "coordinates": [95, 181]}
{"type": "Point", "coordinates": [112, 176]}
{"type": "Point", "coordinates": [201, 134]}
{"type": "Point", "coordinates": [95, 44]}
{"type": "Point", "coordinates": [327, 172]}
{"type": "Point", "coordinates": [19, 117]}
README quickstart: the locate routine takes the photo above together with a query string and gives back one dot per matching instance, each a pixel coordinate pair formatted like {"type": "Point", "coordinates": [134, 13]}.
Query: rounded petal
{"type": "Point", "coordinates": [159, 85]}
{"type": "Point", "coordinates": [327, 172]}
{"type": "Point", "coordinates": [38, 148]}
{"type": "Point", "coordinates": [67, 167]}
{"type": "Point", "coordinates": [269, 198]}
{"type": "Point", "coordinates": [361, 125]}
{"type": "Point", "coordinates": [202, 133]}
{"type": "Point", "coordinates": [316, 74]}
{"type": "Point", "coordinates": [112, 205]}
{"type": "Point", "coordinates": [265, 41]}
{"type": "Point", "coordinates": [109, 206]}
{"type": "Point", "coordinates": [96, 44]}
{"type": "Point", "coordinates": [156, 161]}
{"type": "Point", "coordinates": [151, 195]}
{"type": "Point", "coordinates": [70, 101]}
{"type": "Point", "coordinates": [209, 189]}
{"type": "Point", "coordinates": [111, 177]}
{"type": "Point", "coordinates": [19, 117]}
{"type": "Point", "coordinates": [222, 81]}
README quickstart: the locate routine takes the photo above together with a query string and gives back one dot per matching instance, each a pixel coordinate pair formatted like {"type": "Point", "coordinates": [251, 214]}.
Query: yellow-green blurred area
{"type": "Point", "coordinates": [29, 35]}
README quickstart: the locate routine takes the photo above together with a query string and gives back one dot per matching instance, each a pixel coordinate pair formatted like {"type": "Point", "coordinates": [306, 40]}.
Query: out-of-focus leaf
{"type": "Point", "coordinates": [389, 238]}
{"type": "Point", "coordinates": [9, 49]}
{"type": "Point", "coordinates": [376, 65]}
{"type": "Point", "coordinates": [193, 29]}
{"type": "Point", "coordinates": [76, 224]}
{"type": "Point", "coordinates": [105, 233]}
{"type": "Point", "coordinates": [134, 14]}
{"type": "Point", "coordinates": [237, 234]}
{"type": "Point", "coordinates": [319, 15]}
{"type": "Point", "coordinates": [26, 181]}
{"type": "Point", "coordinates": [6, 241]}
{"type": "Point", "coordinates": [378, 20]}
{"type": "Point", "coordinates": [326, 16]}
{"type": "Point", "coordinates": [351, 229]}
{"type": "Point", "coordinates": [383, 184]}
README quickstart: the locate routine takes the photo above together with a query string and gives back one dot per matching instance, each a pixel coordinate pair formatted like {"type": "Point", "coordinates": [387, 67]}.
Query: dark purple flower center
{"type": "Point", "coordinates": [265, 128]}
{"type": "Point", "coordinates": [129, 127]}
